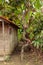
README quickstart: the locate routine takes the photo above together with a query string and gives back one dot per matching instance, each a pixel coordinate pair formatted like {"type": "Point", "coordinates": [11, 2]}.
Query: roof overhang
{"type": "Point", "coordinates": [8, 21]}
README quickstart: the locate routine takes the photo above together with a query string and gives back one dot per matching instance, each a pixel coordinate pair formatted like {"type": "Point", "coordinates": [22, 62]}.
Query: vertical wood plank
{"type": "Point", "coordinates": [3, 37]}
{"type": "Point", "coordinates": [3, 28]}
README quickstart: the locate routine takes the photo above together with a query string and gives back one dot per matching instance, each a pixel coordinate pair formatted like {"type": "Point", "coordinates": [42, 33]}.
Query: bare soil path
{"type": "Point", "coordinates": [29, 59]}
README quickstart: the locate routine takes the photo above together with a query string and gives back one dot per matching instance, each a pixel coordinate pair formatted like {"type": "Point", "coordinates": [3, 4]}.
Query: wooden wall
{"type": "Point", "coordinates": [10, 39]}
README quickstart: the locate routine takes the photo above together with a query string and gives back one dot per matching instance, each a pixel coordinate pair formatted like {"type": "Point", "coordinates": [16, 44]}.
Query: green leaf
{"type": "Point", "coordinates": [0, 13]}
{"type": "Point", "coordinates": [2, 1]}
{"type": "Point", "coordinates": [31, 35]}
{"type": "Point", "coordinates": [37, 4]}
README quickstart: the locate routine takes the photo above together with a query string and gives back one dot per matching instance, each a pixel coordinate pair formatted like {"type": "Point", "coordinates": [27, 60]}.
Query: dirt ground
{"type": "Point", "coordinates": [29, 59]}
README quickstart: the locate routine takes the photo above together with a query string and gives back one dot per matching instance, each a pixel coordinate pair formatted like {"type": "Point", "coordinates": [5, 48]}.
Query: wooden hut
{"type": "Point", "coordinates": [8, 36]}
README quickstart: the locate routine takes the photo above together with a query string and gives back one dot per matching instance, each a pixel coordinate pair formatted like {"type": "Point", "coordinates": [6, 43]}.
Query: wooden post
{"type": "Point", "coordinates": [3, 35]}
{"type": "Point", "coordinates": [3, 28]}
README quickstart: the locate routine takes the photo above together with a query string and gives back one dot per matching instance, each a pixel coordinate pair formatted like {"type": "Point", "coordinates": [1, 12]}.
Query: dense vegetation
{"type": "Point", "coordinates": [27, 13]}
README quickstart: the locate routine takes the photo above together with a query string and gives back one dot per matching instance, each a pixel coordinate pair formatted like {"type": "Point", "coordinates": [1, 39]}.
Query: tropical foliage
{"type": "Point", "coordinates": [25, 13]}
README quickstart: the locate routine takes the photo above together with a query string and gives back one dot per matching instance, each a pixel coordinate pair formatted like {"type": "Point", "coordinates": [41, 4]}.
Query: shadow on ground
{"type": "Point", "coordinates": [30, 58]}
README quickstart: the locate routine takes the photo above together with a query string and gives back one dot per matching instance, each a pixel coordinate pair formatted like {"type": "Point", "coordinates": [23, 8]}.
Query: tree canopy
{"type": "Point", "coordinates": [25, 13]}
